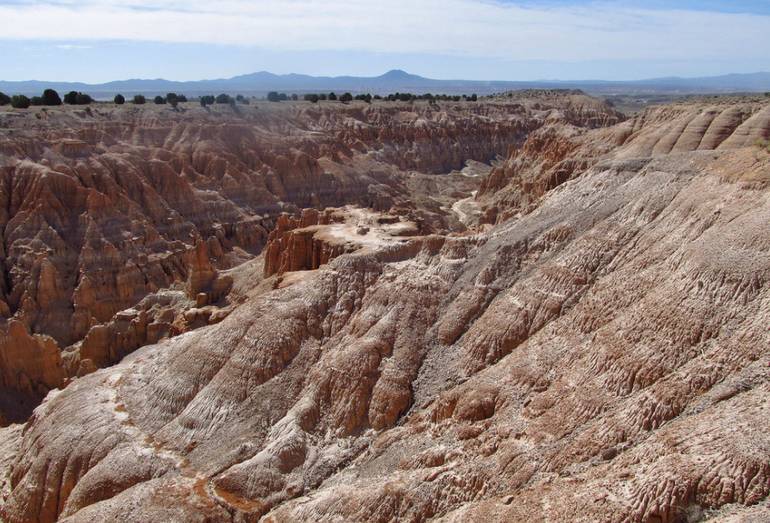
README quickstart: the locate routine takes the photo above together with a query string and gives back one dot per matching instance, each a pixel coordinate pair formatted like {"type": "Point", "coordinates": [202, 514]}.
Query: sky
{"type": "Point", "coordinates": [101, 40]}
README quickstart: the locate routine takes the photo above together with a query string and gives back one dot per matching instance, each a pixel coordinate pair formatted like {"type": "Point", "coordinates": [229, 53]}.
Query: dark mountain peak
{"type": "Point", "coordinates": [399, 74]}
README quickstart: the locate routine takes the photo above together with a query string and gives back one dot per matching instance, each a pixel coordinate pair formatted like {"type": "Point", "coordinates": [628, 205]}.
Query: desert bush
{"type": "Point", "coordinates": [347, 97]}
{"type": "Point", "coordinates": [224, 99]}
{"type": "Point", "coordinates": [19, 101]}
{"type": "Point", "coordinates": [77, 98]}
{"type": "Point", "coordinates": [51, 97]}
{"type": "Point", "coordinates": [4, 99]}
{"type": "Point", "coordinates": [71, 98]}
{"type": "Point", "coordinates": [273, 96]}
{"type": "Point", "coordinates": [313, 98]}
{"type": "Point", "coordinates": [119, 99]}
{"type": "Point", "coordinates": [332, 97]}
{"type": "Point", "coordinates": [172, 99]}
{"type": "Point", "coordinates": [159, 100]}
{"type": "Point", "coordinates": [139, 99]}
{"type": "Point", "coordinates": [207, 100]}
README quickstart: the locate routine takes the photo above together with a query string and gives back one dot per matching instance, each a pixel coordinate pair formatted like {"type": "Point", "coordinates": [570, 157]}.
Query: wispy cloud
{"type": "Point", "coordinates": [593, 31]}
{"type": "Point", "coordinates": [72, 47]}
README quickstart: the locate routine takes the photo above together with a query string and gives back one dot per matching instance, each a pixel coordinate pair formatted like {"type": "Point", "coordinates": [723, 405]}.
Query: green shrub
{"type": "Point", "coordinates": [119, 99]}
{"type": "Point", "coordinates": [51, 97]}
{"type": "Point", "coordinates": [71, 98]}
{"type": "Point", "coordinates": [172, 99]}
{"type": "Point", "coordinates": [273, 96]}
{"type": "Point", "coordinates": [4, 99]}
{"type": "Point", "coordinates": [207, 100]}
{"type": "Point", "coordinates": [76, 98]}
{"type": "Point", "coordinates": [19, 101]}
{"type": "Point", "coordinates": [159, 100]}
{"type": "Point", "coordinates": [347, 97]}
{"type": "Point", "coordinates": [36, 100]}
{"type": "Point", "coordinates": [312, 98]}
{"type": "Point", "coordinates": [139, 99]}
{"type": "Point", "coordinates": [224, 99]}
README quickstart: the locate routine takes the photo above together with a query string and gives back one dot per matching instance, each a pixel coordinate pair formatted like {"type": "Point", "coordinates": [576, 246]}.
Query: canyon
{"type": "Point", "coordinates": [528, 307]}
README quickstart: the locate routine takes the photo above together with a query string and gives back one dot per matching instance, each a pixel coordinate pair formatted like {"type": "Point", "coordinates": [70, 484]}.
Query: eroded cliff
{"type": "Point", "coordinates": [105, 206]}
{"type": "Point", "coordinates": [601, 353]}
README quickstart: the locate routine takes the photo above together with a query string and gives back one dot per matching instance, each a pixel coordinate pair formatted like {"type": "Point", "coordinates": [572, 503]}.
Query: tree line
{"type": "Point", "coordinates": [50, 98]}
{"type": "Point", "coordinates": [274, 96]}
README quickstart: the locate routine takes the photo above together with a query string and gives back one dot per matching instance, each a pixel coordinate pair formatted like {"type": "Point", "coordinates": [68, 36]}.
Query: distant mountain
{"type": "Point", "coordinates": [262, 82]}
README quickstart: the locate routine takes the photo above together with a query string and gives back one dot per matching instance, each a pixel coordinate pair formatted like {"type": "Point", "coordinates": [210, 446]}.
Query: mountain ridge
{"type": "Point", "coordinates": [261, 82]}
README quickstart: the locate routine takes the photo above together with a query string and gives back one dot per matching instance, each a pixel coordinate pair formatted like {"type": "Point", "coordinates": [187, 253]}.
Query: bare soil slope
{"type": "Point", "coordinates": [598, 351]}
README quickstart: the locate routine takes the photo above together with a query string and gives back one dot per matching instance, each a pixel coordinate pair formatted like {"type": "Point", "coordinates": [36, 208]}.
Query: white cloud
{"type": "Point", "coordinates": [600, 31]}
{"type": "Point", "coordinates": [72, 47]}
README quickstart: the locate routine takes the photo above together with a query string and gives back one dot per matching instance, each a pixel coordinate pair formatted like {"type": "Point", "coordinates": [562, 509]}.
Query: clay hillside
{"type": "Point", "coordinates": [527, 308]}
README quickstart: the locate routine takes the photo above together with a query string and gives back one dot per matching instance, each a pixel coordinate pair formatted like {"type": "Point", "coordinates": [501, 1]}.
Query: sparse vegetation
{"type": "Point", "coordinates": [119, 99]}
{"type": "Point", "coordinates": [207, 100]}
{"type": "Point", "coordinates": [763, 144]}
{"type": "Point", "coordinates": [19, 101]}
{"type": "Point", "coordinates": [4, 99]}
{"type": "Point", "coordinates": [368, 97]}
{"type": "Point", "coordinates": [139, 99]}
{"type": "Point", "coordinates": [159, 100]}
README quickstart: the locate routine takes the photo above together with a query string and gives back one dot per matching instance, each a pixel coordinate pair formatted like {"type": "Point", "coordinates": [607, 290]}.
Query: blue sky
{"type": "Point", "coordinates": [101, 40]}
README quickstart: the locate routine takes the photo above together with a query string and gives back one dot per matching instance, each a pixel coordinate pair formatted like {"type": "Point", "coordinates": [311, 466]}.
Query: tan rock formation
{"type": "Point", "coordinates": [601, 354]}
{"type": "Point", "coordinates": [102, 207]}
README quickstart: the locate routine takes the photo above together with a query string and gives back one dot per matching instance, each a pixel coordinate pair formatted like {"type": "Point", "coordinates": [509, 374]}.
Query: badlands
{"type": "Point", "coordinates": [531, 307]}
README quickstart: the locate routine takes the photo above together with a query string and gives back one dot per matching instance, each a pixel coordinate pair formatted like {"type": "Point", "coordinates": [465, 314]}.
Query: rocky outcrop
{"type": "Point", "coordinates": [556, 152]}
{"type": "Point", "coordinates": [292, 245]}
{"type": "Point", "coordinates": [30, 365]}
